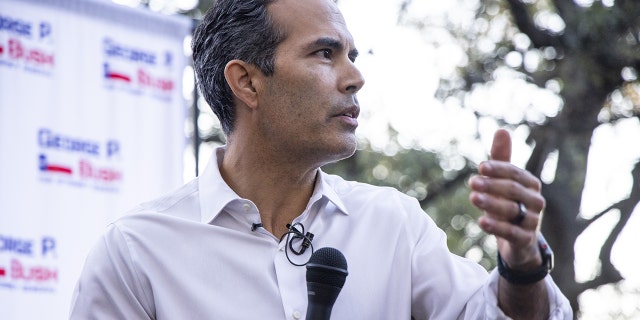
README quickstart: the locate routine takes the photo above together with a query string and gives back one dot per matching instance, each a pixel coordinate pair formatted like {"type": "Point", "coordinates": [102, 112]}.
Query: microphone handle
{"type": "Point", "coordinates": [318, 312]}
{"type": "Point", "coordinates": [321, 300]}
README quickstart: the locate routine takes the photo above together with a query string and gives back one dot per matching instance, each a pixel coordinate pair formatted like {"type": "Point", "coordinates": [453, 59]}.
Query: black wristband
{"type": "Point", "coordinates": [533, 276]}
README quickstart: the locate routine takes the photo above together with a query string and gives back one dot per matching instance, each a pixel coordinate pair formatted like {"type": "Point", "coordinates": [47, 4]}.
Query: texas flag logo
{"type": "Point", "coordinates": [114, 75]}
{"type": "Point", "coordinates": [45, 166]}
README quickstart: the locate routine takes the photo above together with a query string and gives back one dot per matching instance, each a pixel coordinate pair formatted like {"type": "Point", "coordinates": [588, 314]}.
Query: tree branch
{"type": "Point", "coordinates": [567, 11]}
{"type": "Point", "coordinates": [608, 272]}
{"type": "Point", "coordinates": [438, 188]}
{"type": "Point", "coordinates": [525, 23]}
{"type": "Point", "coordinates": [632, 12]}
{"type": "Point", "coordinates": [544, 139]}
{"type": "Point", "coordinates": [625, 206]}
{"type": "Point", "coordinates": [607, 275]}
{"type": "Point", "coordinates": [583, 223]}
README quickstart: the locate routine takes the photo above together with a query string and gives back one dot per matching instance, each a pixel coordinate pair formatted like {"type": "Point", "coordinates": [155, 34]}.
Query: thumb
{"type": "Point", "coordinates": [501, 147]}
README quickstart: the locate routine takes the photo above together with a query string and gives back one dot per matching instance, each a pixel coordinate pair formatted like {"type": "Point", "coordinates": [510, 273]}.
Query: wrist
{"type": "Point", "coordinates": [531, 272]}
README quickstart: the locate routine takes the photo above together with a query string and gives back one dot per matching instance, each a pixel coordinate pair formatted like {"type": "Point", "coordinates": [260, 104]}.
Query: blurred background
{"type": "Point", "coordinates": [442, 76]}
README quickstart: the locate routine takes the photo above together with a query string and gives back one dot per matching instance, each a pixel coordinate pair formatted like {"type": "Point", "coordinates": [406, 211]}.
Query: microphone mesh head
{"type": "Point", "coordinates": [327, 266]}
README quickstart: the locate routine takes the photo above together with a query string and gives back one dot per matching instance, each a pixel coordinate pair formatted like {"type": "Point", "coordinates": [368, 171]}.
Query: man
{"type": "Point", "coordinates": [280, 75]}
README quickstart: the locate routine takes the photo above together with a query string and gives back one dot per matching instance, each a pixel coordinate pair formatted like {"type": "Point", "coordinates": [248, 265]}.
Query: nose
{"type": "Point", "coordinates": [353, 80]}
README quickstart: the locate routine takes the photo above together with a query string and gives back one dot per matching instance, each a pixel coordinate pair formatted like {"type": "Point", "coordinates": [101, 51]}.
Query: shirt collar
{"type": "Point", "coordinates": [324, 189]}
{"type": "Point", "coordinates": [215, 194]}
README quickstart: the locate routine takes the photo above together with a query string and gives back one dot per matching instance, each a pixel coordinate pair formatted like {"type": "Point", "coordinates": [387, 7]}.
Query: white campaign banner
{"type": "Point", "coordinates": [91, 123]}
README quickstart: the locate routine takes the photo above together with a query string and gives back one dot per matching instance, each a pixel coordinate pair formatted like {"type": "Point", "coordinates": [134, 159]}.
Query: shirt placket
{"type": "Point", "coordinates": [292, 284]}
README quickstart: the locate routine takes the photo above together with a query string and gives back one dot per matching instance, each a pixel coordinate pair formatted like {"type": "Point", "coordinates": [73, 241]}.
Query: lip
{"type": "Point", "coordinates": [350, 112]}
{"type": "Point", "coordinates": [348, 116]}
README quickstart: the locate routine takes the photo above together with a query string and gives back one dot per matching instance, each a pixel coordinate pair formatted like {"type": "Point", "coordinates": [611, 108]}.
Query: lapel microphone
{"type": "Point", "coordinates": [299, 236]}
{"type": "Point", "coordinates": [294, 235]}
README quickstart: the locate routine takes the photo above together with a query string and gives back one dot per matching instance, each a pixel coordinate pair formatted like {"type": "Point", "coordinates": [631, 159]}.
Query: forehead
{"type": "Point", "coordinates": [307, 20]}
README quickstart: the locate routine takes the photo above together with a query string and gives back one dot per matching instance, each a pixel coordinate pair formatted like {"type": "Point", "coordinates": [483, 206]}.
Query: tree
{"type": "Point", "coordinates": [588, 55]}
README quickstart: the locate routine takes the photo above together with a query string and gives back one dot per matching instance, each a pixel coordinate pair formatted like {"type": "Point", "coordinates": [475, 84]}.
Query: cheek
{"type": "Point", "coordinates": [300, 96]}
{"type": "Point", "coordinates": [303, 100]}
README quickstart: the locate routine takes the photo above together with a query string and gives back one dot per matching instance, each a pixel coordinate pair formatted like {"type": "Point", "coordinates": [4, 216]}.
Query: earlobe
{"type": "Point", "coordinates": [240, 77]}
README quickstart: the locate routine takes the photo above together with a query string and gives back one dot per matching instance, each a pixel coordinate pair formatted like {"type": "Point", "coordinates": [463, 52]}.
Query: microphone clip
{"type": "Point", "coordinates": [296, 234]}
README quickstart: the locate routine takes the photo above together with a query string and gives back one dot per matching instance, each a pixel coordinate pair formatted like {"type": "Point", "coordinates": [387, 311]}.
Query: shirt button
{"type": "Point", "coordinates": [297, 314]}
{"type": "Point", "coordinates": [246, 207]}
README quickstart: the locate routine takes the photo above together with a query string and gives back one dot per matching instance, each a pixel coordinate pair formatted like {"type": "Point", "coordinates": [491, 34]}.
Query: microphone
{"type": "Point", "coordinates": [294, 234]}
{"type": "Point", "coordinates": [326, 273]}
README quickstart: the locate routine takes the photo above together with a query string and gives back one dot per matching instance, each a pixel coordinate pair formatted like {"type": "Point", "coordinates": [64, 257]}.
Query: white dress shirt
{"type": "Point", "coordinates": [192, 254]}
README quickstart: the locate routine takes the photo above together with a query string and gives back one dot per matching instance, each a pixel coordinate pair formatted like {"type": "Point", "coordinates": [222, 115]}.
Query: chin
{"type": "Point", "coordinates": [344, 150]}
{"type": "Point", "coordinates": [333, 150]}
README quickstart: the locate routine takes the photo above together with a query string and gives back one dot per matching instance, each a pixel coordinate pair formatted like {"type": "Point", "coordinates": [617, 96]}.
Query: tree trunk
{"type": "Point", "coordinates": [563, 197]}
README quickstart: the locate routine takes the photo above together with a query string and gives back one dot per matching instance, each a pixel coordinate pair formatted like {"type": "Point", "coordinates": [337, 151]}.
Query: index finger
{"type": "Point", "coordinates": [508, 171]}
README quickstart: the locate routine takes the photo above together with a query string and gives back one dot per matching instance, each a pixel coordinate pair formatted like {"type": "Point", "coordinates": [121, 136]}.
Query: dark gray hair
{"type": "Point", "coordinates": [232, 29]}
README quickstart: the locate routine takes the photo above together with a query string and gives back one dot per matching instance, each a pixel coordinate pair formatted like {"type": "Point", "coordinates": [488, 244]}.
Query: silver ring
{"type": "Point", "coordinates": [522, 212]}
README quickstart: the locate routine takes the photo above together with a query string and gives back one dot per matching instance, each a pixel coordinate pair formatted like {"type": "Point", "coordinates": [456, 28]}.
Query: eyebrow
{"type": "Point", "coordinates": [334, 44]}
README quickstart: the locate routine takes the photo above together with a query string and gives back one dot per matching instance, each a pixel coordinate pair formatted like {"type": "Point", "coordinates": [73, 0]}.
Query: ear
{"type": "Point", "coordinates": [241, 77]}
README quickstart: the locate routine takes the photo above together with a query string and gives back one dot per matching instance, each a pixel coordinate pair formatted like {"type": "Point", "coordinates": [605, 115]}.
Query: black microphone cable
{"type": "Point", "coordinates": [295, 234]}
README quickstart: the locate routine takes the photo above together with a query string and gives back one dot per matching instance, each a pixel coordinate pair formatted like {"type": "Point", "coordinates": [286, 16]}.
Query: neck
{"type": "Point", "coordinates": [280, 190]}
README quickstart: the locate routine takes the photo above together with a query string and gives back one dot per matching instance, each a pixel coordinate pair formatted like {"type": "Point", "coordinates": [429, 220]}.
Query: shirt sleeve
{"type": "Point", "coordinates": [109, 287]}
{"type": "Point", "coordinates": [444, 285]}
{"type": "Point", "coordinates": [559, 307]}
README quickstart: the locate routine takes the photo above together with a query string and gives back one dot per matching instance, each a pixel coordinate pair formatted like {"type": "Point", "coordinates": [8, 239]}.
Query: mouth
{"type": "Point", "coordinates": [348, 116]}
{"type": "Point", "coordinates": [350, 112]}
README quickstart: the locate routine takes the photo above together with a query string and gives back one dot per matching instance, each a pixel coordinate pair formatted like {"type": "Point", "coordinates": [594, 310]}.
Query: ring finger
{"type": "Point", "coordinates": [504, 209]}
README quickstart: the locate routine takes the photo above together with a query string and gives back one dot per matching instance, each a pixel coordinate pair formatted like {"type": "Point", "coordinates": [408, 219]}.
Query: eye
{"type": "Point", "coordinates": [325, 53]}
